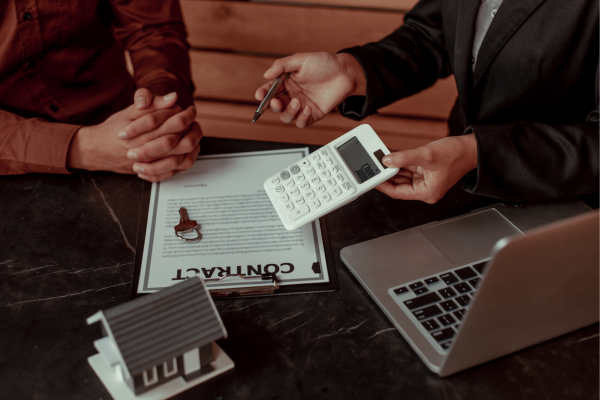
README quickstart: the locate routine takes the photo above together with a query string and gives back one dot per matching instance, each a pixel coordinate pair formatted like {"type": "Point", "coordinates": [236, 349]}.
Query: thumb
{"type": "Point", "coordinates": [292, 63]}
{"type": "Point", "coordinates": [405, 158]}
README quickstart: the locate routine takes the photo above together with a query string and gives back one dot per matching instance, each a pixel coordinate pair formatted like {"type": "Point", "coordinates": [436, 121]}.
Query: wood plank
{"type": "Point", "coordinates": [235, 77]}
{"type": "Point", "coordinates": [282, 29]}
{"type": "Point", "coordinates": [228, 120]}
{"type": "Point", "coordinates": [401, 5]}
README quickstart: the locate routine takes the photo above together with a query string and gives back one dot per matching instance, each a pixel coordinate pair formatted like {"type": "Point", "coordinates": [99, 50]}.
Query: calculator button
{"type": "Point", "coordinates": [328, 161]}
{"type": "Point", "coordinates": [304, 163]}
{"type": "Point", "coordinates": [289, 206]}
{"type": "Point", "coordinates": [347, 186]}
{"type": "Point", "coordinates": [304, 186]}
{"type": "Point", "coordinates": [310, 195]}
{"type": "Point", "coordinates": [315, 203]}
{"type": "Point", "coordinates": [290, 184]}
{"type": "Point", "coordinates": [310, 171]}
{"type": "Point", "coordinates": [279, 189]}
{"type": "Point", "coordinates": [315, 157]}
{"type": "Point", "coordinates": [284, 175]}
{"type": "Point", "coordinates": [330, 182]}
{"type": "Point", "coordinates": [321, 166]}
{"type": "Point", "coordinates": [299, 177]}
{"type": "Point", "coordinates": [320, 189]}
{"type": "Point", "coordinates": [336, 191]}
{"type": "Point", "coordinates": [299, 201]}
{"type": "Point", "coordinates": [315, 180]}
{"type": "Point", "coordinates": [340, 178]}
{"type": "Point", "coordinates": [325, 174]}
{"type": "Point", "coordinates": [283, 197]}
{"type": "Point", "coordinates": [325, 197]}
{"type": "Point", "coordinates": [299, 212]}
{"type": "Point", "coordinates": [323, 152]}
{"type": "Point", "coordinates": [294, 192]}
{"type": "Point", "coordinates": [335, 169]}
{"type": "Point", "coordinates": [274, 181]}
{"type": "Point", "coordinates": [294, 169]}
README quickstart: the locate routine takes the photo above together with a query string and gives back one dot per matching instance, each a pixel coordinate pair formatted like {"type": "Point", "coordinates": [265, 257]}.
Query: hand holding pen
{"type": "Point", "coordinates": [318, 83]}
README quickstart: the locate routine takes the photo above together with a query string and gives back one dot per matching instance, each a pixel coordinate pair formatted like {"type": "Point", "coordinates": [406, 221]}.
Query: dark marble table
{"type": "Point", "coordinates": [67, 250]}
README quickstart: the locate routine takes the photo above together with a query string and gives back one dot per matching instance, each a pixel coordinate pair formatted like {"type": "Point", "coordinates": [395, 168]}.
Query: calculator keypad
{"type": "Point", "coordinates": [317, 179]}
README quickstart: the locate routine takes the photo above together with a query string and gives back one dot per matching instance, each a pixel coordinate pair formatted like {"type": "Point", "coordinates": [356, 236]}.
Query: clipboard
{"type": "Point", "coordinates": [272, 288]}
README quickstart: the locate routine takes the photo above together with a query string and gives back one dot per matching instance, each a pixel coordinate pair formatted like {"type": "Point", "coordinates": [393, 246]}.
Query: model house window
{"type": "Point", "coordinates": [150, 376]}
{"type": "Point", "coordinates": [170, 368]}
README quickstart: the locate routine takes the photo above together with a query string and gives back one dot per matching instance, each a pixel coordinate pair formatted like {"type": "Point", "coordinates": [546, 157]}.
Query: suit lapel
{"type": "Point", "coordinates": [509, 18]}
{"type": "Point", "coordinates": [465, 32]}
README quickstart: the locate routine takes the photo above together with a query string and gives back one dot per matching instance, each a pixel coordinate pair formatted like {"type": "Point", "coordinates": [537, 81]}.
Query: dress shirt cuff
{"type": "Point", "coordinates": [165, 86]}
{"type": "Point", "coordinates": [360, 107]}
{"type": "Point", "coordinates": [48, 146]}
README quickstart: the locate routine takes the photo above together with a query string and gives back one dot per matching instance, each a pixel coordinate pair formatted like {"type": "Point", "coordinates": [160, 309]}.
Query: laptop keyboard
{"type": "Point", "coordinates": [437, 303]}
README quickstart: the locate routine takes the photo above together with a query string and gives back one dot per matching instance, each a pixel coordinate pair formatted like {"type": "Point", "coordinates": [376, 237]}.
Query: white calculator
{"type": "Point", "coordinates": [330, 177]}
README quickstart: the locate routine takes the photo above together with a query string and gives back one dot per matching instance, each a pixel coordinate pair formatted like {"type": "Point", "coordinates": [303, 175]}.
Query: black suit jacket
{"type": "Point", "coordinates": [532, 101]}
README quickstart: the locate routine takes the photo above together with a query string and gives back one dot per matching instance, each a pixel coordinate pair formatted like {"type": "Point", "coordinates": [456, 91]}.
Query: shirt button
{"type": "Point", "coordinates": [26, 15]}
{"type": "Point", "coordinates": [494, 13]}
{"type": "Point", "coordinates": [472, 60]}
{"type": "Point", "coordinates": [54, 107]}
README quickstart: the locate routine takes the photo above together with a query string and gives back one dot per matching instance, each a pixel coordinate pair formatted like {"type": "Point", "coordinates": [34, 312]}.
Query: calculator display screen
{"type": "Point", "coordinates": [358, 160]}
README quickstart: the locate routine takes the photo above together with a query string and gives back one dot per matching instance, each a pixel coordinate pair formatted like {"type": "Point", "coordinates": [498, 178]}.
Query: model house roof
{"type": "Point", "coordinates": [158, 327]}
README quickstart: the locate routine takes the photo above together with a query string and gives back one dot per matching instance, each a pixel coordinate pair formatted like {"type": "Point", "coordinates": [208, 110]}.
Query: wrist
{"type": "Point", "coordinates": [355, 73]}
{"type": "Point", "coordinates": [79, 150]}
{"type": "Point", "coordinates": [469, 151]}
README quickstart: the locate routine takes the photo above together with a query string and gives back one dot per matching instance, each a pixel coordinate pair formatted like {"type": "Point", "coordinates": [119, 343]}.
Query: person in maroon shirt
{"type": "Point", "coordinates": [67, 101]}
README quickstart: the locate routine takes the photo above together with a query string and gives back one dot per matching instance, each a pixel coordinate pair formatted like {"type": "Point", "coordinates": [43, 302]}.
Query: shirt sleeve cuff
{"type": "Point", "coordinates": [48, 147]}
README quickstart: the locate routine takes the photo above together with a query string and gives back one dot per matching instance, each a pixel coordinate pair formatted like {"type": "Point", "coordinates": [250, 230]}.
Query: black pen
{"type": "Point", "coordinates": [270, 95]}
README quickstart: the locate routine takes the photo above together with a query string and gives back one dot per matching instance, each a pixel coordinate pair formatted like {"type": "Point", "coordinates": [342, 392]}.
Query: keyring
{"type": "Point", "coordinates": [195, 228]}
{"type": "Point", "coordinates": [186, 225]}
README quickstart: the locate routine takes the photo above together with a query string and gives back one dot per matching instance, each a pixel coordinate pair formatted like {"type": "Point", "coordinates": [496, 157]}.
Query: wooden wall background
{"type": "Point", "coordinates": [234, 42]}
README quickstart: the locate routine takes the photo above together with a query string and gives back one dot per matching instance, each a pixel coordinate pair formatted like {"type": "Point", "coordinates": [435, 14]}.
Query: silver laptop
{"type": "Point", "coordinates": [473, 288]}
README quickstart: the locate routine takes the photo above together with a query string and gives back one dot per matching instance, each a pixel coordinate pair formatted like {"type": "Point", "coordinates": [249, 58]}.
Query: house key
{"type": "Point", "coordinates": [186, 225]}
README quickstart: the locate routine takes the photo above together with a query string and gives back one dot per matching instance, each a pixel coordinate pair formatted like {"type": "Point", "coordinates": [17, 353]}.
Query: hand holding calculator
{"type": "Point", "coordinates": [330, 177]}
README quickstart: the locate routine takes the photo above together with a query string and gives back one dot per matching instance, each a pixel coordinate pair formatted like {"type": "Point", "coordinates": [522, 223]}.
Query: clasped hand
{"type": "Point", "coordinates": [153, 138]}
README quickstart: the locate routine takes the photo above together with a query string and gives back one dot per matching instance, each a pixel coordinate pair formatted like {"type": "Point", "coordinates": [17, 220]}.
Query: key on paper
{"type": "Point", "coordinates": [185, 224]}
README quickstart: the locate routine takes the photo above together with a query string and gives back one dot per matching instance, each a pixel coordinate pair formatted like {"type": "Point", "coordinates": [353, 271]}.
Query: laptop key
{"type": "Point", "coordinates": [430, 324]}
{"type": "Point", "coordinates": [474, 282]}
{"type": "Point", "coordinates": [446, 345]}
{"type": "Point", "coordinates": [449, 305]}
{"type": "Point", "coordinates": [448, 278]}
{"type": "Point", "coordinates": [421, 301]}
{"type": "Point", "coordinates": [415, 285]}
{"type": "Point", "coordinates": [465, 273]}
{"type": "Point", "coordinates": [446, 319]}
{"type": "Point", "coordinates": [400, 290]}
{"type": "Point", "coordinates": [463, 300]}
{"type": "Point", "coordinates": [462, 287]}
{"type": "Point", "coordinates": [443, 334]}
{"type": "Point", "coordinates": [427, 312]}
{"type": "Point", "coordinates": [479, 267]}
{"type": "Point", "coordinates": [420, 290]}
{"type": "Point", "coordinates": [459, 313]}
{"type": "Point", "coordinates": [429, 281]}
{"type": "Point", "coordinates": [447, 292]}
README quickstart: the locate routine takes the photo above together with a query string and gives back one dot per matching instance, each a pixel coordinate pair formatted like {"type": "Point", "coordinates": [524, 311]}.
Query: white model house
{"type": "Point", "coordinates": [160, 337]}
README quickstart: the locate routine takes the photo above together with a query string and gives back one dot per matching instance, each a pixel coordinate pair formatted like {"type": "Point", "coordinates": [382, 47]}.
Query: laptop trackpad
{"type": "Point", "coordinates": [470, 237]}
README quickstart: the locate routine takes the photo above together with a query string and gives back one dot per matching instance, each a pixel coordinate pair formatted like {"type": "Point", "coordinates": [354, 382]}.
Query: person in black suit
{"type": "Point", "coordinates": [525, 125]}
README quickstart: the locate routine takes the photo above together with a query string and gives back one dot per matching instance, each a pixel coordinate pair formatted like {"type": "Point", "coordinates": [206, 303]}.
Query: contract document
{"type": "Point", "coordinates": [241, 232]}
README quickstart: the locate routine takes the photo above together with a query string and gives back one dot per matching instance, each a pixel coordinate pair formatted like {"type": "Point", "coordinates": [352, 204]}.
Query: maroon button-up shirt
{"type": "Point", "coordinates": [62, 65]}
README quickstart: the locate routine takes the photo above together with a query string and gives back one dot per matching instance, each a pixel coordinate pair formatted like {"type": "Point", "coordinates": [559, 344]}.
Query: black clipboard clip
{"type": "Point", "coordinates": [269, 285]}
